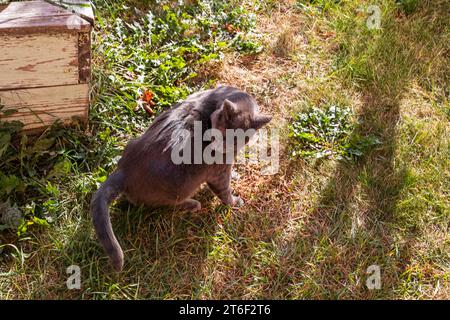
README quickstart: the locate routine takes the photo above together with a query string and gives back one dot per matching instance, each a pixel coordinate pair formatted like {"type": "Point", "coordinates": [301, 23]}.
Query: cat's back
{"type": "Point", "coordinates": [156, 141]}
{"type": "Point", "coordinates": [196, 107]}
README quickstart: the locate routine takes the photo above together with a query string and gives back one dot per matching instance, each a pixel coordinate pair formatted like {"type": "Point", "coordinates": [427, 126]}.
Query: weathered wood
{"type": "Point", "coordinates": [84, 57]}
{"type": "Point", "coordinates": [39, 16]}
{"type": "Point", "coordinates": [45, 61]}
{"type": "Point", "coordinates": [38, 60]}
{"type": "Point", "coordinates": [40, 107]}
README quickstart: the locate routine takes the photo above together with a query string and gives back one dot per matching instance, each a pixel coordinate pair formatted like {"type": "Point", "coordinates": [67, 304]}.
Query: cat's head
{"type": "Point", "coordinates": [241, 119]}
{"type": "Point", "coordinates": [238, 115]}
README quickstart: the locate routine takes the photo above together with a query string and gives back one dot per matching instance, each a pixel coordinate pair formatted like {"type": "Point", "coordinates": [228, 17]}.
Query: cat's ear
{"type": "Point", "coordinates": [260, 121]}
{"type": "Point", "coordinates": [228, 109]}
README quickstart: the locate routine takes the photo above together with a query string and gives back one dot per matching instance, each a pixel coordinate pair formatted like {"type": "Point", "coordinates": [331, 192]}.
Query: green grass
{"type": "Point", "coordinates": [310, 231]}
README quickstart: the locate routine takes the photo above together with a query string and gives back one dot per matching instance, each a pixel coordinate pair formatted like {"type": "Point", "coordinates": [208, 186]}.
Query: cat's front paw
{"type": "Point", "coordinates": [237, 202]}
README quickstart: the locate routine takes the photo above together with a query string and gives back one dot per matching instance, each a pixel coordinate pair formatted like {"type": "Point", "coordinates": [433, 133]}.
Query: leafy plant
{"type": "Point", "coordinates": [321, 133]}
{"type": "Point", "coordinates": [161, 49]}
{"type": "Point", "coordinates": [20, 160]}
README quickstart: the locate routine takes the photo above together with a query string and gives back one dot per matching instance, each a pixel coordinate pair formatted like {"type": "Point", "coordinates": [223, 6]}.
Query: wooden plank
{"type": "Point", "coordinates": [39, 107]}
{"type": "Point", "coordinates": [39, 16]}
{"type": "Point", "coordinates": [38, 60]}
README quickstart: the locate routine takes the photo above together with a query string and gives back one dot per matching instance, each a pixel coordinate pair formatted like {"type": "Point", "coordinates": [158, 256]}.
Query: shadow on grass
{"type": "Point", "coordinates": [354, 224]}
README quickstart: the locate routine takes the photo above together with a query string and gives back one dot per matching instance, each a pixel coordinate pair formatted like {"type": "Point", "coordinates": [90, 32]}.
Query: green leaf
{"type": "Point", "coordinates": [43, 145]}
{"type": "Point", "coordinates": [61, 169]}
{"type": "Point", "coordinates": [5, 139]}
{"type": "Point", "coordinates": [8, 183]}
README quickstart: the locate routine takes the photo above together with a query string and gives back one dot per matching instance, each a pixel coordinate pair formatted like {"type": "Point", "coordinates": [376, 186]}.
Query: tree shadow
{"type": "Point", "coordinates": [354, 223]}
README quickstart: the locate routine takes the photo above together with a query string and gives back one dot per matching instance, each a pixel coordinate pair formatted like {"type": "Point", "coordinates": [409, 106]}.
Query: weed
{"type": "Point", "coordinates": [327, 132]}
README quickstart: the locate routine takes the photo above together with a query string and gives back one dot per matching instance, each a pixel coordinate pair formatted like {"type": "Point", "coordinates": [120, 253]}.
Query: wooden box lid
{"type": "Point", "coordinates": [42, 16]}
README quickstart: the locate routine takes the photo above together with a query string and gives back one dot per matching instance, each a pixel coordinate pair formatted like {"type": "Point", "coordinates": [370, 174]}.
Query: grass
{"type": "Point", "coordinates": [310, 231]}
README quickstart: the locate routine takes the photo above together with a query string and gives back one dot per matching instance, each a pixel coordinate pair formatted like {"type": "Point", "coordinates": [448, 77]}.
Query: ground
{"type": "Point", "coordinates": [312, 230]}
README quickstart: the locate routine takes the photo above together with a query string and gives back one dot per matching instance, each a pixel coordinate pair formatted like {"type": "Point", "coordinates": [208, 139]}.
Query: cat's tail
{"type": "Point", "coordinates": [107, 192]}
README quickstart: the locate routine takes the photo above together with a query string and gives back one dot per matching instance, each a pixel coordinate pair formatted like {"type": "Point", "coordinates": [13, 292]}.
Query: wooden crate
{"type": "Point", "coordinates": [45, 62]}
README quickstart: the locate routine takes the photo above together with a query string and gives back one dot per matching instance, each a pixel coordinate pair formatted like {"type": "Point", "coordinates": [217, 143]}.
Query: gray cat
{"type": "Point", "coordinates": [147, 174]}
